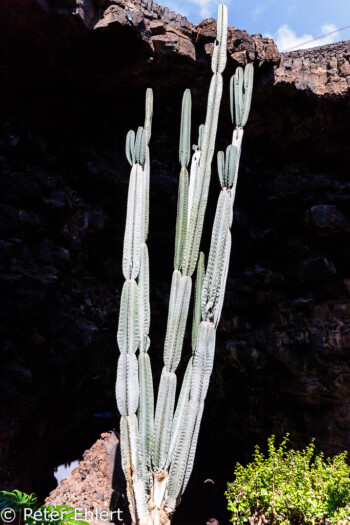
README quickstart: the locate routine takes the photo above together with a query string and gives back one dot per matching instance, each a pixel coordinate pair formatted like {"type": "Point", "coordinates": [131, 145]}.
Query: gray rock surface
{"type": "Point", "coordinates": [324, 70]}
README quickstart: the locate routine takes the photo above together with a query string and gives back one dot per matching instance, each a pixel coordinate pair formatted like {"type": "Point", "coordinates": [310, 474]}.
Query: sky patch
{"type": "Point", "coordinates": [289, 22]}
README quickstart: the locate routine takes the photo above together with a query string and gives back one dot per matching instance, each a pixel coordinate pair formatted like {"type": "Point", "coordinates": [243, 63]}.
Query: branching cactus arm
{"type": "Point", "coordinates": [241, 89]}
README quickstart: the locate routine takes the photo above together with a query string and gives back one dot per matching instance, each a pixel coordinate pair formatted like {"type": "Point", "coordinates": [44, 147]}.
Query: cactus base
{"type": "Point", "coordinates": [156, 504]}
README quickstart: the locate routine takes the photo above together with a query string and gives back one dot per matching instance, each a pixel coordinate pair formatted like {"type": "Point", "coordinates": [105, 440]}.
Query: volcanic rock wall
{"type": "Point", "coordinates": [323, 70]}
{"type": "Point", "coordinates": [73, 78]}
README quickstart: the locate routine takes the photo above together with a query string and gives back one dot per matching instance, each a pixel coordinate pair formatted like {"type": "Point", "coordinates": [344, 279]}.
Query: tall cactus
{"type": "Point", "coordinates": [158, 449]}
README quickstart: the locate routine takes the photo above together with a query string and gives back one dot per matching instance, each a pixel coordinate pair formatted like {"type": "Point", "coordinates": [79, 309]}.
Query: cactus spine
{"type": "Point", "coordinates": [158, 449]}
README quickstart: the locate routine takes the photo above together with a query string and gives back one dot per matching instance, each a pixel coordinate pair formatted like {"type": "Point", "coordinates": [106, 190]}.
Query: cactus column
{"type": "Point", "coordinates": [134, 387]}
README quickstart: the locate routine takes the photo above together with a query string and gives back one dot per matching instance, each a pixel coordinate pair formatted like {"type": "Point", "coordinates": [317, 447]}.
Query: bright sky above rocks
{"type": "Point", "coordinates": [289, 22]}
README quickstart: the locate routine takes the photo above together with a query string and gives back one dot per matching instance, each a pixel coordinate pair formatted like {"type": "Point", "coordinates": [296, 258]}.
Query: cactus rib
{"type": "Point", "coordinates": [197, 310]}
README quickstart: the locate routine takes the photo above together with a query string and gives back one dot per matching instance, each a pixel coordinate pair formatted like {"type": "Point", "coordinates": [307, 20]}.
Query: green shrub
{"type": "Point", "coordinates": [291, 487]}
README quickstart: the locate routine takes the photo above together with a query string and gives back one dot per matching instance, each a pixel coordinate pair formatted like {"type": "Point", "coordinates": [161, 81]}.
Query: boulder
{"type": "Point", "coordinates": [96, 487]}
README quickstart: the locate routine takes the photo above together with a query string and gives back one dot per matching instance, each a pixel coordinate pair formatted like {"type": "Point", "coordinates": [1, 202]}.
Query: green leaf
{"type": "Point", "coordinates": [17, 500]}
